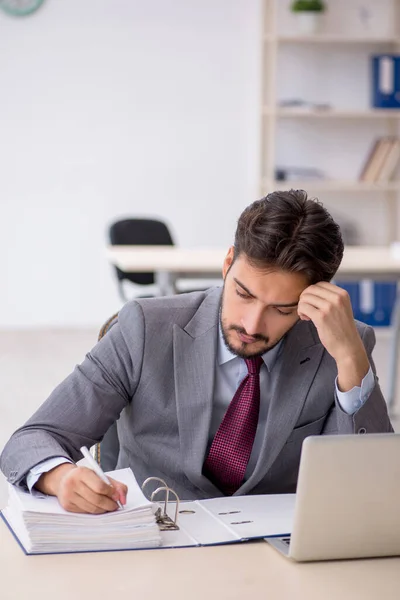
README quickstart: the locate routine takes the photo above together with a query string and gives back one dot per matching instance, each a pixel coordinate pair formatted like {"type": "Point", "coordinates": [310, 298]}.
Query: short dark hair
{"type": "Point", "coordinates": [289, 231]}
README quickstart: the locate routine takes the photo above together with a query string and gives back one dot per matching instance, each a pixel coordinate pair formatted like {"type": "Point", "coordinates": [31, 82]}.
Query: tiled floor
{"type": "Point", "coordinates": [32, 363]}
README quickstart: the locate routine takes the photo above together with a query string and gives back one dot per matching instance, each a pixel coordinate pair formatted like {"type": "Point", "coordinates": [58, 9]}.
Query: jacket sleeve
{"type": "Point", "coordinates": [372, 416]}
{"type": "Point", "coordinates": [82, 408]}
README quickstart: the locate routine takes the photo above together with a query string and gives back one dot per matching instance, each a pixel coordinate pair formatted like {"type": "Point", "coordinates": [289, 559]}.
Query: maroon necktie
{"type": "Point", "coordinates": [231, 448]}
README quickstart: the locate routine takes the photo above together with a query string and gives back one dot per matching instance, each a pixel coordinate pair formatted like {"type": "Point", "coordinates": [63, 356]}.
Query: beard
{"type": "Point", "coordinates": [243, 351]}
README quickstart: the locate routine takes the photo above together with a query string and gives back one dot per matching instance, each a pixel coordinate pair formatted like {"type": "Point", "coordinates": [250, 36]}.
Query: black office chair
{"type": "Point", "coordinates": [138, 232]}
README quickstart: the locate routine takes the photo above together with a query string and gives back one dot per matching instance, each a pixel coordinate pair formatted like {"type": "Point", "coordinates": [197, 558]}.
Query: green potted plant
{"type": "Point", "coordinates": [308, 14]}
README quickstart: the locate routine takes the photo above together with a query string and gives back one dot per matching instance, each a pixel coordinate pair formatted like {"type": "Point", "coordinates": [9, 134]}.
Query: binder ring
{"type": "Point", "coordinates": [146, 481]}
{"type": "Point", "coordinates": [167, 490]}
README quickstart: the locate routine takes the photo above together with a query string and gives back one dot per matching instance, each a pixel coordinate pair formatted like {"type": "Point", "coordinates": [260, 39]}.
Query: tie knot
{"type": "Point", "coordinates": [254, 364]}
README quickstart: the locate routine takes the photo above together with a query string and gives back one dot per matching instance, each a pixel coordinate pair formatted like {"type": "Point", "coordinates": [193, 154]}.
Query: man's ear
{"type": "Point", "coordinates": [228, 262]}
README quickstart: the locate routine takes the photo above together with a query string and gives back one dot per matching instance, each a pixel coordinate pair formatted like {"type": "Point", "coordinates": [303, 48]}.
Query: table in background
{"type": "Point", "coordinates": [170, 263]}
{"type": "Point", "coordinates": [233, 572]}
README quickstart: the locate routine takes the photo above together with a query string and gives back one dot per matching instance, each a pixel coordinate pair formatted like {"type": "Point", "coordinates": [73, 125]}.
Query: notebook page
{"type": "Point", "coordinates": [253, 516]}
{"type": "Point", "coordinates": [199, 525]}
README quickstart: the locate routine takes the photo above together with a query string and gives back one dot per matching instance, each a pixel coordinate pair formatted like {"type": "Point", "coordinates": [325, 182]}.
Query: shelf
{"type": "Point", "coordinates": [306, 113]}
{"type": "Point", "coordinates": [330, 38]}
{"type": "Point", "coordinates": [342, 50]}
{"type": "Point", "coordinates": [333, 186]}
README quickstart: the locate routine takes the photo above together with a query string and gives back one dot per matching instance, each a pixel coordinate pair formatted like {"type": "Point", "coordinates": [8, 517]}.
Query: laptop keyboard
{"type": "Point", "coordinates": [286, 540]}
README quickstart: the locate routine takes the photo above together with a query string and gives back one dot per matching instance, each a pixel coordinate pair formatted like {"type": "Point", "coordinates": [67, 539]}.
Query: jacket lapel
{"type": "Point", "coordinates": [300, 360]}
{"type": "Point", "coordinates": [195, 349]}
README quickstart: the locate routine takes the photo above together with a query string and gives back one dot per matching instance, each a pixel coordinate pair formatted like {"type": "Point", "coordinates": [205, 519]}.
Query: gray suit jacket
{"type": "Point", "coordinates": [155, 370]}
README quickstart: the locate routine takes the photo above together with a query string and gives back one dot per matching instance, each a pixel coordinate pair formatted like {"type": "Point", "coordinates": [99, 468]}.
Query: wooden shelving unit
{"type": "Point", "coordinates": [329, 39]}
{"type": "Point", "coordinates": [335, 38]}
{"type": "Point", "coordinates": [305, 113]}
{"type": "Point", "coordinates": [326, 185]}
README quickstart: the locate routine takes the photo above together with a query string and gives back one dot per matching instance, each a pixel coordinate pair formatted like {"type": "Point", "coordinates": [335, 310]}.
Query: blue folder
{"type": "Point", "coordinates": [385, 80]}
{"type": "Point", "coordinates": [381, 304]}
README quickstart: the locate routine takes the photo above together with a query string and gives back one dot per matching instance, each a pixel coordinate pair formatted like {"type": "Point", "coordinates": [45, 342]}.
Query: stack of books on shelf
{"type": "Point", "coordinates": [298, 173]}
{"type": "Point", "coordinates": [382, 160]}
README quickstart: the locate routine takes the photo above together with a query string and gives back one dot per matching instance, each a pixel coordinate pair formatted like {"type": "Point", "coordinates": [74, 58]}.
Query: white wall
{"type": "Point", "coordinates": [112, 108]}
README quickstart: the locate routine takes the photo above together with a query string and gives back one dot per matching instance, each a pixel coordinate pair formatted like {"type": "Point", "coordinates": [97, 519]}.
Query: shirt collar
{"type": "Point", "coordinates": [225, 355]}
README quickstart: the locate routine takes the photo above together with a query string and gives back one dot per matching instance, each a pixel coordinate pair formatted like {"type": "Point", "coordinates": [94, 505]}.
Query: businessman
{"type": "Point", "coordinates": [215, 391]}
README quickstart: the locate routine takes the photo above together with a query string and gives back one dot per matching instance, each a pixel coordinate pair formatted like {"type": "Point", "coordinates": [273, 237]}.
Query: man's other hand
{"type": "Point", "coordinates": [329, 308]}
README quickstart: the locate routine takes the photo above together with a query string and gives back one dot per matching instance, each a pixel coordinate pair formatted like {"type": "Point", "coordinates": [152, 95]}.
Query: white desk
{"type": "Point", "coordinates": [236, 572]}
{"type": "Point", "coordinates": [358, 261]}
{"type": "Point", "coordinates": [170, 263]}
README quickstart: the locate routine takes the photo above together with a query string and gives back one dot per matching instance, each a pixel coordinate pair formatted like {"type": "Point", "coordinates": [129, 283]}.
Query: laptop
{"type": "Point", "coordinates": [347, 500]}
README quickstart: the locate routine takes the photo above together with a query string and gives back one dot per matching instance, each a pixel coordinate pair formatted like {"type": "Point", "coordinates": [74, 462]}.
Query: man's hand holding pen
{"type": "Point", "coordinates": [81, 490]}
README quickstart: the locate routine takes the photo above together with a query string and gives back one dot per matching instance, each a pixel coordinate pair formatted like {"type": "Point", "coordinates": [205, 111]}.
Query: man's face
{"type": "Point", "coordinates": [258, 307]}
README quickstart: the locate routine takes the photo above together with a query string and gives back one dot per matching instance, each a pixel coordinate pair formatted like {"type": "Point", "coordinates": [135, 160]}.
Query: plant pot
{"type": "Point", "coordinates": [308, 23]}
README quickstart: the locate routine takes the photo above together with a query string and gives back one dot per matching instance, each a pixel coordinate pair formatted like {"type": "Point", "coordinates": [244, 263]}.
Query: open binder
{"type": "Point", "coordinates": [146, 523]}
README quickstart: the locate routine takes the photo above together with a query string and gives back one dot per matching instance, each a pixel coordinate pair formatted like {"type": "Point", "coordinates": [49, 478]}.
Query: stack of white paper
{"type": "Point", "coordinates": [43, 526]}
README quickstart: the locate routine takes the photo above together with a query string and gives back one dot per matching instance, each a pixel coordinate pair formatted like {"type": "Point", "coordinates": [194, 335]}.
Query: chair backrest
{"type": "Point", "coordinates": [138, 232]}
{"type": "Point", "coordinates": [107, 451]}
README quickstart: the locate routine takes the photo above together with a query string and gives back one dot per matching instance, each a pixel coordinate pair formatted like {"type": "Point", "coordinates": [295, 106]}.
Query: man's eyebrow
{"type": "Point", "coordinates": [291, 305]}
{"type": "Point", "coordinates": [244, 287]}
{"type": "Point", "coordinates": [280, 305]}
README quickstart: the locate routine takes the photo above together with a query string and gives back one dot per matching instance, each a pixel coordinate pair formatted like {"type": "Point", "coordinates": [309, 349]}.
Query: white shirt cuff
{"type": "Point", "coordinates": [43, 467]}
{"type": "Point", "coordinates": [353, 400]}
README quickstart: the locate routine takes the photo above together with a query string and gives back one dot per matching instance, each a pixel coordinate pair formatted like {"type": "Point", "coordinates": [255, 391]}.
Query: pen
{"type": "Point", "coordinates": [97, 469]}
